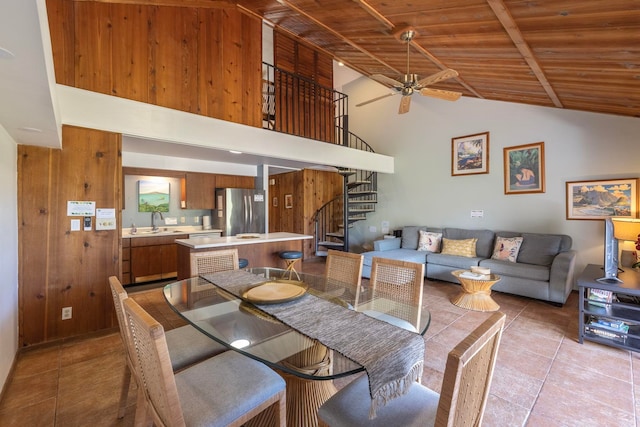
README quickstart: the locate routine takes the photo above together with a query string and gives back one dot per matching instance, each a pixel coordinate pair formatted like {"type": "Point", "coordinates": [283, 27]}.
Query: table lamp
{"type": "Point", "coordinates": [626, 230]}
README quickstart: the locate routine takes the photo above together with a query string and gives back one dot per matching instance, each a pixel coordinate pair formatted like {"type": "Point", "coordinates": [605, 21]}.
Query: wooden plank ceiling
{"type": "Point", "coordinates": [572, 54]}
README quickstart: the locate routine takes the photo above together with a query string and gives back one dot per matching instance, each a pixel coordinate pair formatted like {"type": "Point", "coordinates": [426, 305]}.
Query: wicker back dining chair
{"type": "Point", "coordinates": [214, 261]}
{"type": "Point", "coordinates": [225, 390]}
{"type": "Point", "coordinates": [186, 344]}
{"type": "Point", "coordinates": [344, 268]}
{"type": "Point", "coordinates": [461, 402]}
{"type": "Point", "coordinates": [400, 282]}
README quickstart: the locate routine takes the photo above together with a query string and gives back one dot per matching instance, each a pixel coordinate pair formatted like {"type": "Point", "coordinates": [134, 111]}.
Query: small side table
{"type": "Point", "coordinates": [476, 293]}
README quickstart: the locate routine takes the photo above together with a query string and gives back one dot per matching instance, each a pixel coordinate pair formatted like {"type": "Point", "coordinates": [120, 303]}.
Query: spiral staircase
{"type": "Point", "coordinates": [359, 197]}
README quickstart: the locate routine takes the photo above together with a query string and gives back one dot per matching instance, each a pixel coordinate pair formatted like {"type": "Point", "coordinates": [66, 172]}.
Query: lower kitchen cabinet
{"type": "Point", "coordinates": [154, 258]}
{"type": "Point", "coordinates": [126, 261]}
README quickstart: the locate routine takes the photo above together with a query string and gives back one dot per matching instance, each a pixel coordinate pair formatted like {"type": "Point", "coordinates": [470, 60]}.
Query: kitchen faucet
{"type": "Point", "coordinates": [154, 227]}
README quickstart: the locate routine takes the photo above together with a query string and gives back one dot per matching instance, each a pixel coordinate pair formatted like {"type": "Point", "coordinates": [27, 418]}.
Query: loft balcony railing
{"type": "Point", "coordinates": [296, 105]}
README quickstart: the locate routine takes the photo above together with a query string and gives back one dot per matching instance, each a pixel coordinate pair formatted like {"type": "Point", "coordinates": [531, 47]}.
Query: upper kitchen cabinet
{"type": "Point", "coordinates": [235, 181]}
{"type": "Point", "coordinates": [198, 190]}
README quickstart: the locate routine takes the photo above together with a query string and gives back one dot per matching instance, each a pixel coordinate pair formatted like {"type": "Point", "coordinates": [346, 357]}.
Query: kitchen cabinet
{"type": "Point", "coordinates": [126, 262]}
{"type": "Point", "coordinates": [235, 181]}
{"type": "Point", "coordinates": [154, 258]}
{"type": "Point", "coordinates": [197, 190]}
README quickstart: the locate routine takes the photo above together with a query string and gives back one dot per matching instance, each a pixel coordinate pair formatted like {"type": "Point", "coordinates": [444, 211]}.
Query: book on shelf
{"type": "Point", "coordinates": [610, 324]}
{"type": "Point", "coordinates": [599, 297]}
{"type": "Point", "coordinates": [600, 331]}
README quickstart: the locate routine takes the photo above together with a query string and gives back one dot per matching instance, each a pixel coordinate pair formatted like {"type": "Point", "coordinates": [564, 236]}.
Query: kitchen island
{"type": "Point", "coordinates": [261, 250]}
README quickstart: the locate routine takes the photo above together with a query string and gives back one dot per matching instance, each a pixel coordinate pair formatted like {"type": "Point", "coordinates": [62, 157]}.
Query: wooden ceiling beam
{"type": "Point", "coordinates": [334, 33]}
{"type": "Point", "coordinates": [214, 4]}
{"type": "Point", "coordinates": [510, 26]}
{"type": "Point", "coordinates": [377, 15]}
{"type": "Point", "coordinates": [440, 65]}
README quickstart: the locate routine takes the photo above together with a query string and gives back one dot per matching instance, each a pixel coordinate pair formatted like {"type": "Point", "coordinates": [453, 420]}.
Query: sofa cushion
{"type": "Point", "coordinates": [507, 248]}
{"type": "Point", "coordinates": [411, 235]}
{"type": "Point", "coordinates": [518, 269]}
{"type": "Point", "coordinates": [401, 254]}
{"type": "Point", "coordinates": [539, 249]}
{"type": "Point", "coordinates": [464, 248]}
{"type": "Point", "coordinates": [429, 241]}
{"type": "Point", "coordinates": [452, 261]}
{"type": "Point", "coordinates": [484, 245]}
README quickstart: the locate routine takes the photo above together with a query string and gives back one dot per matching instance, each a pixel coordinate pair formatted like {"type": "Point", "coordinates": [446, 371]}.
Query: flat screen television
{"type": "Point", "coordinates": [610, 253]}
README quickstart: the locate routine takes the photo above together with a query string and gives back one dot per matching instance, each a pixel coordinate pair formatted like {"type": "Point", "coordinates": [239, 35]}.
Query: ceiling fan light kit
{"type": "Point", "coordinates": [410, 83]}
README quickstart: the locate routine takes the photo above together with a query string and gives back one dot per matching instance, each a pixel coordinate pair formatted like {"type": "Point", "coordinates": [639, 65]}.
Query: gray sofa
{"type": "Point", "coordinates": [543, 269]}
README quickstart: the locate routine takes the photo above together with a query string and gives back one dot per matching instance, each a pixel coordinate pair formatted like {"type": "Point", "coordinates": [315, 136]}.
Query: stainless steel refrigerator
{"type": "Point", "coordinates": [239, 210]}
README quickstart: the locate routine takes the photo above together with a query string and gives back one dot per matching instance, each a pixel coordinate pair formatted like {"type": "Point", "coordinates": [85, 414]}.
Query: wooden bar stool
{"type": "Point", "coordinates": [291, 257]}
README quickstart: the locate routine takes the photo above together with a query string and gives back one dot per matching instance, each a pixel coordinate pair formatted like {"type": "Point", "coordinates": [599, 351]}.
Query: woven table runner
{"type": "Point", "coordinates": [392, 357]}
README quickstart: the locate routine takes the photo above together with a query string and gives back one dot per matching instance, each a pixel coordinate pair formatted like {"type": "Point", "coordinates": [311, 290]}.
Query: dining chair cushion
{"type": "Point", "coordinates": [187, 346]}
{"type": "Point", "coordinates": [238, 382]}
{"type": "Point", "coordinates": [416, 408]}
{"type": "Point", "coordinates": [391, 319]}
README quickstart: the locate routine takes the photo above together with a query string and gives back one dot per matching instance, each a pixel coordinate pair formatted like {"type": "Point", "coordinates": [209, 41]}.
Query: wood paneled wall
{"type": "Point", "coordinates": [206, 61]}
{"type": "Point", "coordinates": [59, 267]}
{"type": "Point", "coordinates": [309, 189]}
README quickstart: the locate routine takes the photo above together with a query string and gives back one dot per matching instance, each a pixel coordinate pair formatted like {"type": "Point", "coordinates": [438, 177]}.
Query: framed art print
{"type": "Point", "coordinates": [470, 154]}
{"type": "Point", "coordinates": [602, 199]}
{"type": "Point", "coordinates": [524, 169]}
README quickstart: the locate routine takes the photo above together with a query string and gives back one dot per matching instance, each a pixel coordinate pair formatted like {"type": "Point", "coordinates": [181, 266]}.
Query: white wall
{"type": "Point", "coordinates": [9, 258]}
{"type": "Point", "coordinates": [578, 146]}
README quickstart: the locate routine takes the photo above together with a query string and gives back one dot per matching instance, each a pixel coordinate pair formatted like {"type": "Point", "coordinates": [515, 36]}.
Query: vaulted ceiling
{"type": "Point", "coordinates": [573, 54]}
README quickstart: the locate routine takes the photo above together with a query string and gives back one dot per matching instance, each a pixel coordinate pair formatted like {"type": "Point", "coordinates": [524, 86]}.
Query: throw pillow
{"type": "Point", "coordinates": [465, 247]}
{"type": "Point", "coordinates": [429, 241]}
{"type": "Point", "coordinates": [507, 248]}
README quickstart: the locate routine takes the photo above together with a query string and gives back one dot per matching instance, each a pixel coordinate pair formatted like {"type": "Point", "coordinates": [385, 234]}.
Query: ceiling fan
{"type": "Point", "coordinates": [410, 83]}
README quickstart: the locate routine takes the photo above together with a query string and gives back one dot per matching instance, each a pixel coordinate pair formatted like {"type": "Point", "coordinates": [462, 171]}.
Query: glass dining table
{"type": "Point", "coordinates": [306, 365]}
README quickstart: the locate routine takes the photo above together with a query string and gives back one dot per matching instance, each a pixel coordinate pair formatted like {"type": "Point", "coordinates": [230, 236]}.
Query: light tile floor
{"type": "Point", "coordinates": [543, 376]}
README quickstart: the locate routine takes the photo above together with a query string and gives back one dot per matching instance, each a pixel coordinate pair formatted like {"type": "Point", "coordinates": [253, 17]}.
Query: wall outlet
{"type": "Point", "coordinates": [66, 313]}
{"type": "Point", "coordinates": [197, 220]}
{"type": "Point", "coordinates": [182, 220]}
{"type": "Point", "coordinates": [373, 229]}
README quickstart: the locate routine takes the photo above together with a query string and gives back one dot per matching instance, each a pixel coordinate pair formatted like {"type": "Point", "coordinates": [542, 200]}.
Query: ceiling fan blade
{"type": "Point", "coordinates": [438, 77]}
{"type": "Point", "coordinates": [374, 99]}
{"type": "Point", "coordinates": [440, 94]}
{"type": "Point", "coordinates": [405, 103]}
{"type": "Point", "coordinates": [386, 80]}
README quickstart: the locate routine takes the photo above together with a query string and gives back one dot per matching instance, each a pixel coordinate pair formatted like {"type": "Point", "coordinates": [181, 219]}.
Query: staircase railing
{"type": "Point", "coordinates": [328, 219]}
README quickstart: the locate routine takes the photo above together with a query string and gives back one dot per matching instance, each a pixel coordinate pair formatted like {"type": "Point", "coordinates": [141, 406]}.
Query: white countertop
{"type": "Point", "coordinates": [216, 242]}
{"type": "Point", "coordinates": [167, 231]}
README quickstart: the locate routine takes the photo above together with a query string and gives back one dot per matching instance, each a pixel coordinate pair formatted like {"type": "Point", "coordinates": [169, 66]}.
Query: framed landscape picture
{"type": "Point", "coordinates": [153, 196]}
{"type": "Point", "coordinates": [602, 199]}
{"type": "Point", "coordinates": [524, 169]}
{"type": "Point", "coordinates": [470, 154]}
